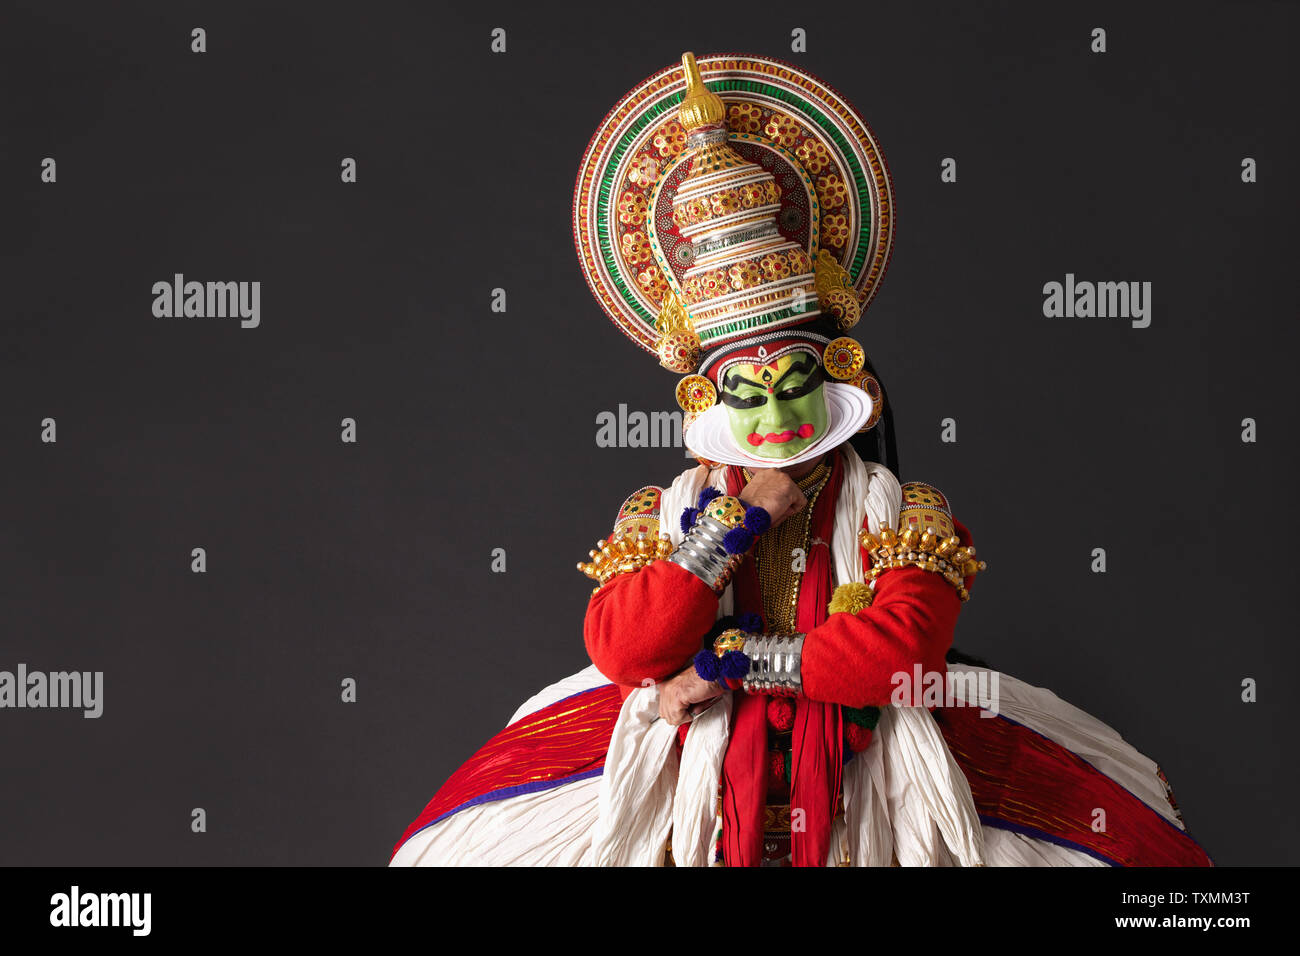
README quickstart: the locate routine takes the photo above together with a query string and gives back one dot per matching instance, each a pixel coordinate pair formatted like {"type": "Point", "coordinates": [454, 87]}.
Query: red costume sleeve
{"type": "Point", "coordinates": [648, 624]}
{"type": "Point", "coordinates": [851, 658]}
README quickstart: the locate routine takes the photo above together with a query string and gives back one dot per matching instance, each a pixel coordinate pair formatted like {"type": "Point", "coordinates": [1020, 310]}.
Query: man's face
{"type": "Point", "coordinates": [775, 410]}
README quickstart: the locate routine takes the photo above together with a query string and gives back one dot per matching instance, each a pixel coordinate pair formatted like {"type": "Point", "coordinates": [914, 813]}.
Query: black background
{"type": "Point", "coordinates": [477, 430]}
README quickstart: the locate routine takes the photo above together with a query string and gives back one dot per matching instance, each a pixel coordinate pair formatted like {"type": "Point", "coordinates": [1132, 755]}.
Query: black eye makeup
{"type": "Point", "coordinates": [805, 387]}
{"type": "Point", "coordinates": [735, 401]}
{"type": "Point", "coordinates": [804, 364]}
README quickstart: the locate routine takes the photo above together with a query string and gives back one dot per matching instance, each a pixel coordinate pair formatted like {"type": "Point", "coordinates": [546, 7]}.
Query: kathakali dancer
{"type": "Point", "coordinates": [763, 625]}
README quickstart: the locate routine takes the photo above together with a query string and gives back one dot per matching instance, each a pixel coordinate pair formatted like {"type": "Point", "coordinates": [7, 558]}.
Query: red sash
{"type": "Point", "coordinates": [817, 758]}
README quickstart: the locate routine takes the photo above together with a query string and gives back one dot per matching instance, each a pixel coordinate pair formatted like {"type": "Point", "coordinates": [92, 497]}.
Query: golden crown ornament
{"type": "Point", "coordinates": [730, 198]}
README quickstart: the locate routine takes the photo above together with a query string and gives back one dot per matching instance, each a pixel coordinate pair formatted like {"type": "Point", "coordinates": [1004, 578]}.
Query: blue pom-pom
{"type": "Point", "coordinates": [706, 665]}
{"type": "Point", "coordinates": [750, 623]}
{"type": "Point", "coordinates": [737, 541]}
{"type": "Point", "coordinates": [757, 520]}
{"type": "Point", "coordinates": [688, 518]}
{"type": "Point", "coordinates": [733, 665]}
{"type": "Point", "coordinates": [707, 495]}
{"type": "Point", "coordinates": [720, 625]}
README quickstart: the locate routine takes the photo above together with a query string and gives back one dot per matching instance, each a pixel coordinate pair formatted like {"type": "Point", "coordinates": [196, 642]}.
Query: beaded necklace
{"type": "Point", "coordinates": [777, 578]}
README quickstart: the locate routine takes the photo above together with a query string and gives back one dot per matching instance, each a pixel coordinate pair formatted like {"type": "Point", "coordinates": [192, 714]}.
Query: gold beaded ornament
{"type": "Point", "coordinates": [835, 291]}
{"type": "Point", "coordinates": [924, 507]}
{"type": "Point", "coordinates": [777, 579]}
{"type": "Point", "coordinates": [732, 639]}
{"type": "Point", "coordinates": [635, 541]}
{"type": "Point", "coordinates": [925, 539]}
{"type": "Point", "coordinates": [696, 395]}
{"type": "Point", "coordinates": [727, 509]}
{"type": "Point", "coordinates": [678, 346]}
{"type": "Point", "coordinates": [843, 359]}
{"type": "Point", "coordinates": [624, 554]}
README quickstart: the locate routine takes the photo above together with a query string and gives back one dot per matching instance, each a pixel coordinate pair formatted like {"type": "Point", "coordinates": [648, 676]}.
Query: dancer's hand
{"type": "Point", "coordinates": [685, 696]}
{"type": "Point", "coordinates": [775, 492]}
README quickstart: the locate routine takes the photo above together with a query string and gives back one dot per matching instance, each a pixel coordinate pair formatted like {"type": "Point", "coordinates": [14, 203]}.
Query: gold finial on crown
{"type": "Point", "coordinates": [678, 345]}
{"type": "Point", "coordinates": [700, 105]}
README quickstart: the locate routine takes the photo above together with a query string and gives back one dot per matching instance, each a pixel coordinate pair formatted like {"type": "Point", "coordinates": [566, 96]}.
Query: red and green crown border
{"type": "Point", "coordinates": [879, 226]}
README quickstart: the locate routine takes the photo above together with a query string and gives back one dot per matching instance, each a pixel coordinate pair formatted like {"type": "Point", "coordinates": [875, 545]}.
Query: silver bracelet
{"type": "Point", "coordinates": [702, 553]}
{"type": "Point", "coordinates": [774, 664]}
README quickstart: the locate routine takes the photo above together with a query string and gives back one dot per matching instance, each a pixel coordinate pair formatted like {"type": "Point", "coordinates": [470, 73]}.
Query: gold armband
{"type": "Point", "coordinates": [623, 554]}
{"type": "Point", "coordinates": [635, 541]}
{"type": "Point", "coordinates": [728, 510]}
{"type": "Point", "coordinates": [925, 550]}
{"type": "Point", "coordinates": [925, 539]}
{"type": "Point", "coordinates": [732, 639]}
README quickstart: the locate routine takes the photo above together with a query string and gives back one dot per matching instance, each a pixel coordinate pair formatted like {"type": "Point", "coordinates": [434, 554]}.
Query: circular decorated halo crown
{"type": "Point", "coordinates": [731, 202]}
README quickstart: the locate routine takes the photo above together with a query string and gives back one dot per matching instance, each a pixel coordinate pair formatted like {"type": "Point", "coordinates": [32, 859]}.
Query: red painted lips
{"type": "Point", "coordinates": [779, 438]}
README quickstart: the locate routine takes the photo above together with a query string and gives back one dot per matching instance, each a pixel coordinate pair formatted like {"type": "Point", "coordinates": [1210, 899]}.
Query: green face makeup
{"type": "Point", "coordinates": [775, 411]}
